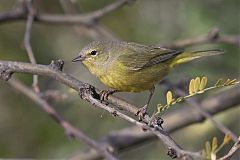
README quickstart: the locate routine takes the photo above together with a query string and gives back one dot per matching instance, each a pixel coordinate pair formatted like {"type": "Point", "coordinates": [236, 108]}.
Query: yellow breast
{"type": "Point", "coordinates": [121, 78]}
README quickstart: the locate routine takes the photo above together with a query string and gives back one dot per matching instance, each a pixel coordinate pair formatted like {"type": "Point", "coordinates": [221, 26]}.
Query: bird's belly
{"type": "Point", "coordinates": [130, 85]}
{"type": "Point", "coordinates": [136, 81]}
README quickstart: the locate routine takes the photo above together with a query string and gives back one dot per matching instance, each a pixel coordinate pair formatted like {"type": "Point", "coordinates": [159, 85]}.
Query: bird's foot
{"type": "Point", "coordinates": [141, 112]}
{"type": "Point", "coordinates": [105, 93]}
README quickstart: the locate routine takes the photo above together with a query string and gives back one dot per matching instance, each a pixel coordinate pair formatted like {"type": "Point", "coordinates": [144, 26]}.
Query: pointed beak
{"type": "Point", "coordinates": [78, 58]}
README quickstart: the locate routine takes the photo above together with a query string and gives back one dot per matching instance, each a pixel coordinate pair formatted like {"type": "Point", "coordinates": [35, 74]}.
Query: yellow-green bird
{"type": "Point", "coordinates": [132, 67]}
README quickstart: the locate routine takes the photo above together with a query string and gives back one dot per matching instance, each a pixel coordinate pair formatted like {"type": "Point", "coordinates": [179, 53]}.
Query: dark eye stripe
{"type": "Point", "coordinates": [93, 52]}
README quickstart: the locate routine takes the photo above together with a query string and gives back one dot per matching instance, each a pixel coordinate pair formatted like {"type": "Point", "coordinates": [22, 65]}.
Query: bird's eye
{"type": "Point", "coordinates": [93, 53]}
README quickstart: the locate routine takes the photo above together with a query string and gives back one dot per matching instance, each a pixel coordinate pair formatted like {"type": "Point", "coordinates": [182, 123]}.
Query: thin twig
{"type": "Point", "coordinates": [69, 129]}
{"type": "Point", "coordinates": [84, 19]}
{"type": "Point", "coordinates": [107, 9]}
{"type": "Point", "coordinates": [94, 31]}
{"type": "Point", "coordinates": [27, 41]}
{"type": "Point", "coordinates": [213, 36]}
{"type": "Point", "coordinates": [89, 19]}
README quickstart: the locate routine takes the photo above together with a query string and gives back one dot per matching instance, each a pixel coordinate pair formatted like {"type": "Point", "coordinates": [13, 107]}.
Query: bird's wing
{"type": "Point", "coordinates": [137, 57]}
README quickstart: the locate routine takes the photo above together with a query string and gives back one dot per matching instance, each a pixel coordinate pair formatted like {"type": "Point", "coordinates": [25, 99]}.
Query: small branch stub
{"type": "Point", "coordinates": [213, 34]}
{"type": "Point", "coordinates": [87, 90]}
{"type": "Point", "coordinates": [114, 114]}
{"type": "Point", "coordinates": [57, 64]}
{"type": "Point", "coordinates": [172, 153]}
{"type": "Point", "coordinates": [159, 122]}
{"type": "Point", "coordinates": [5, 73]}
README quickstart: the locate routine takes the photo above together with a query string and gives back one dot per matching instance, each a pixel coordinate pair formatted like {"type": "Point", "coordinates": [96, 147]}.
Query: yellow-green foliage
{"type": "Point", "coordinates": [209, 152]}
{"type": "Point", "coordinates": [196, 86]}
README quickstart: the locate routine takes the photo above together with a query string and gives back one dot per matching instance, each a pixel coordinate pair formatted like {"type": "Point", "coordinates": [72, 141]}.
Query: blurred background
{"type": "Point", "coordinates": [28, 132]}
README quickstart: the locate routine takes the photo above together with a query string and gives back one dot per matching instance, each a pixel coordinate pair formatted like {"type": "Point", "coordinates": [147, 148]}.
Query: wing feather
{"type": "Point", "coordinates": [137, 57]}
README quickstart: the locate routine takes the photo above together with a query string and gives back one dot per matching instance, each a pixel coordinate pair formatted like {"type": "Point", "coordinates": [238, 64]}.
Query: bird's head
{"type": "Point", "coordinates": [94, 54]}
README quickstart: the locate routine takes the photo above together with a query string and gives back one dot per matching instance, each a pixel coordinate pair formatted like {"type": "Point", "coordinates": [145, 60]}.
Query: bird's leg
{"type": "Point", "coordinates": [143, 111]}
{"type": "Point", "coordinates": [105, 93]}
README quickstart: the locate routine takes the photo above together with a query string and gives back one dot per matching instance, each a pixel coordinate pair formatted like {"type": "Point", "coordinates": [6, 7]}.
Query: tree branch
{"type": "Point", "coordinates": [213, 36]}
{"type": "Point", "coordinates": [95, 31]}
{"type": "Point", "coordinates": [107, 9]}
{"type": "Point", "coordinates": [69, 129]}
{"type": "Point", "coordinates": [126, 138]}
{"type": "Point", "coordinates": [89, 20]}
{"type": "Point", "coordinates": [20, 12]}
{"type": "Point", "coordinates": [87, 92]}
{"type": "Point", "coordinates": [171, 145]}
{"type": "Point", "coordinates": [27, 39]}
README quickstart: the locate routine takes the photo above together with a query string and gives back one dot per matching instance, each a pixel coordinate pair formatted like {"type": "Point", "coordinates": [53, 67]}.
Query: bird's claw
{"type": "Point", "coordinates": [105, 93]}
{"type": "Point", "coordinates": [141, 112]}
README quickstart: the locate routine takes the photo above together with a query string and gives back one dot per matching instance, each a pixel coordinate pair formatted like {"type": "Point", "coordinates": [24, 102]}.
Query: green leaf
{"type": "Point", "coordinates": [231, 82]}
{"type": "Point", "coordinates": [196, 84]}
{"type": "Point", "coordinates": [208, 148]}
{"type": "Point", "coordinates": [191, 87]}
{"type": "Point", "coordinates": [227, 138]}
{"type": "Point", "coordinates": [204, 154]}
{"type": "Point", "coordinates": [226, 83]}
{"type": "Point", "coordinates": [160, 108]}
{"type": "Point", "coordinates": [219, 81]}
{"type": "Point", "coordinates": [203, 83]}
{"type": "Point", "coordinates": [169, 97]}
{"type": "Point", "coordinates": [214, 144]}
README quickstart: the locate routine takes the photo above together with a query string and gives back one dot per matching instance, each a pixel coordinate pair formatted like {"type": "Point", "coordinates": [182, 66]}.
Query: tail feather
{"type": "Point", "coordinates": [189, 56]}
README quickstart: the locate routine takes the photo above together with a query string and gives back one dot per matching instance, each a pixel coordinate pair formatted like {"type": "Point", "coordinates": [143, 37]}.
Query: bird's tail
{"type": "Point", "coordinates": [189, 56]}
